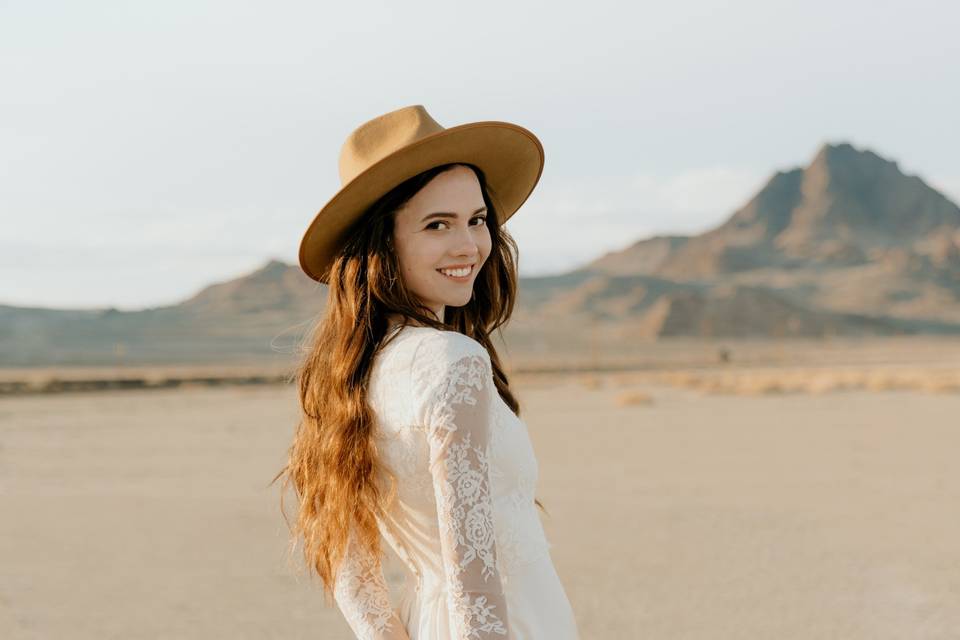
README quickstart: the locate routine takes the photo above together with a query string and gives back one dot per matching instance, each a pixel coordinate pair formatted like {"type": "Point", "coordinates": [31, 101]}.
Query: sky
{"type": "Point", "coordinates": [150, 149]}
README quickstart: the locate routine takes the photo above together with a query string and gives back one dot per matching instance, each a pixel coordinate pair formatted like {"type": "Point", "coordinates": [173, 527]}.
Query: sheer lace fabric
{"type": "Point", "coordinates": [464, 526]}
{"type": "Point", "coordinates": [361, 583]}
{"type": "Point", "coordinates": [458, 432]}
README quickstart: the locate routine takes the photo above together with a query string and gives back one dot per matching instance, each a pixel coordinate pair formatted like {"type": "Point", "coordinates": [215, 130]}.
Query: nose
{"type": "Point", "coordinates": [466, 245]}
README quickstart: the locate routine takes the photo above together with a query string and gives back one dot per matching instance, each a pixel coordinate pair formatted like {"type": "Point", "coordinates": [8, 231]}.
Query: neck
{"type": "Point", "coordinates": [393, 319]}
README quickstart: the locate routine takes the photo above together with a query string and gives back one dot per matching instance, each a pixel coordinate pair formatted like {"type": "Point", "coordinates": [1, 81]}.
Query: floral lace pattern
{"type": "Point", "coordinates": [464, 462]}
{"type": "Point", "coordinates": [360, 583]}
{"type": "Point", "coordinates": [459, 428]}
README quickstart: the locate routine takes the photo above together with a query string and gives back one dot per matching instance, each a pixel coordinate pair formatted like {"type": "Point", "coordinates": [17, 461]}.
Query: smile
{"type": "Point", "coordinates": [459, 275]}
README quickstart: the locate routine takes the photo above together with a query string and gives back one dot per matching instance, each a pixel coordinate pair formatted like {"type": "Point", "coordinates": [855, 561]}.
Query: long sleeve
{"type": "Point", "coordinates": [362, 594]}
{"type": "Point", "coordinates": [457, 414]}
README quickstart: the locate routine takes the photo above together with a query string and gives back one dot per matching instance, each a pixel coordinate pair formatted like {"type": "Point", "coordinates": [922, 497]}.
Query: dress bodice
{"type": "Point", "coordinates": [464, 522]}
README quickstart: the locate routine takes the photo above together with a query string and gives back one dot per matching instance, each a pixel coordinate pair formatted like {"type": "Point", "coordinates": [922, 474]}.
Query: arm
{"type": "Point", "coordinates": [458, 431]}
{"type": "Point", "coordinates": [362, 594]}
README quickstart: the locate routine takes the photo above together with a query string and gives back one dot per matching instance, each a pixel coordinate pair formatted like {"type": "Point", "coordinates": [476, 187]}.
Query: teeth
{"type": "Point", "coordinates": [459, 273]}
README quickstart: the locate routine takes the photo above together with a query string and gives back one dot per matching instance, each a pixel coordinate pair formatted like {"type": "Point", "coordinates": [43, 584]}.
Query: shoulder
{"type": "Point", "coordinates": [439, 349]}
{"type": "Point", "coordinates": [448, 368]}
{"type": "Point", "coordinates": [444, 361]}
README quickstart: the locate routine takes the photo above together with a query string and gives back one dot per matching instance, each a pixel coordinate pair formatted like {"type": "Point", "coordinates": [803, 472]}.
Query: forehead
{"type": "Point", "coordinates": [456, 190]}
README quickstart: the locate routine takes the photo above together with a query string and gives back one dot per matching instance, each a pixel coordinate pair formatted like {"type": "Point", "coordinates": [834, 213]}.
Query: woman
{"type": "Point", "coordinates": [409, 429]}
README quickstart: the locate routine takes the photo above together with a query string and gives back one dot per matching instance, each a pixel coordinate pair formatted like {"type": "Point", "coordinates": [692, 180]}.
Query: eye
{"type": "Point", "coordinates": [481, 218]}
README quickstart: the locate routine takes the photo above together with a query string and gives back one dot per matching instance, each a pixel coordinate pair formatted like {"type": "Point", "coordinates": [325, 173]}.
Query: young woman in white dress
{"type": "Point", "coordinates": [409, 431]}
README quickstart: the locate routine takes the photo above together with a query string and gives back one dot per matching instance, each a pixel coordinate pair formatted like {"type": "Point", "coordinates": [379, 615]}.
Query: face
{"type": "Point", "coordinates": [443, 227]}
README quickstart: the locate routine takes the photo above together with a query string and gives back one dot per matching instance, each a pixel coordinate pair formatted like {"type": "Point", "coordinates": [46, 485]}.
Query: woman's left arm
{"type": "Point", "coordinates": [362, 594]}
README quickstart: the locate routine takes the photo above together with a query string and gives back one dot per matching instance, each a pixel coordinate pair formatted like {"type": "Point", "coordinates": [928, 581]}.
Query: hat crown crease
{"type": "Point", "coordinates": [378, 138]}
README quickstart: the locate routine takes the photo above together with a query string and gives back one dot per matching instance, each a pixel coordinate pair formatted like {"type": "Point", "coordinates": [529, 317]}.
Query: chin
{"type": "Point", "coordinates": [459, 301]}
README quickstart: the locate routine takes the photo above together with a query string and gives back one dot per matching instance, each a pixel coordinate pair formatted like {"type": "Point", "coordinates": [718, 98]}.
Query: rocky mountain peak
{"type": "Point", "coordinates": [859, 198]}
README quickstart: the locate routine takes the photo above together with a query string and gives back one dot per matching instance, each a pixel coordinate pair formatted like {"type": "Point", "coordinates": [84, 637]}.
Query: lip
{"type": "Point", "coordinates": [465, 278]}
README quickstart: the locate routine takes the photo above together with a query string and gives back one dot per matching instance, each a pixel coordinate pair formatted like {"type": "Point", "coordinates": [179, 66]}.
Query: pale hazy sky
{"type": "Point", "coordinates": [148, 149]}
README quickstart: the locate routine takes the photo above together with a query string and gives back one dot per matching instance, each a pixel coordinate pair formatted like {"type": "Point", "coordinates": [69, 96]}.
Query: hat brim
{"type": "Point", "coordinates": [510, 157]}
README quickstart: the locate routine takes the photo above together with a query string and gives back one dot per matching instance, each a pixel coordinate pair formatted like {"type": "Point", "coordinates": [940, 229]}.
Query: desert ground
{"type": "Point", "coordinates": [814, 496]}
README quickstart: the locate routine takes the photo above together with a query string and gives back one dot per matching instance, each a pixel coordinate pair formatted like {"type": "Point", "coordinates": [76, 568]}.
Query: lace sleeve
{"type": "Point", "coordinates": [362, 594]}
{"type": "Point", "coordinates": [457, 418]}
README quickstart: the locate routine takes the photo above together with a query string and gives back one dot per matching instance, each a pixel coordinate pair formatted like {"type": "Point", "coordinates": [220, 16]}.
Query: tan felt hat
{"type": "Point", "coordinates": [384, 152]}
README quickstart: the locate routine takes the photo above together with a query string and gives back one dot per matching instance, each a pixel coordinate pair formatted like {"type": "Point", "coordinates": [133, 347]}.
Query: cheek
{"type": "Point", "coordinates": [486, 246]}
{"type": "Point", "coordinates": [419, 261]}
{"type": "Point", "coordinates": [413, 254]}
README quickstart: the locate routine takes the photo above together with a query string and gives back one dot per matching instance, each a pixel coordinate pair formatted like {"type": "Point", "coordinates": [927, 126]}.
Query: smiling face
{"type": "Point", "coordinates": [443, 228]}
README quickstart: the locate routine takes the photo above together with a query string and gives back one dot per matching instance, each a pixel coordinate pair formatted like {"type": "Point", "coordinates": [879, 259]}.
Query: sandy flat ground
{"type": "Point", "coordinates": [147, 514]}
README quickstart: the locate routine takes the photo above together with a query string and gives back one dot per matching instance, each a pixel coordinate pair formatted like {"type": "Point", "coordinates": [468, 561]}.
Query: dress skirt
{"type": "Point", "coordinates": [537, 606]}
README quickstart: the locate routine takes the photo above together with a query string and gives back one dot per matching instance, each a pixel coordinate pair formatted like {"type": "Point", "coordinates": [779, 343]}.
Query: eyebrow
{"type": "Point", "coordinates": [444, 214]}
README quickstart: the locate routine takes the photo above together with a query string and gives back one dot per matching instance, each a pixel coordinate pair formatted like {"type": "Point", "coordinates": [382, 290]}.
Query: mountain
{"type": "Point", "coordinates": [848, 233]}
{"type": "Point", "coordinates": [257, 317]}
{"type": "Point", "coordinates": [847, 207]}
{"type": "Point", "coordinates": [274, 287]}
{"type": "Point", "coordinates": [847, 245]}
{"type": "Point", "coordinates": [642, 257]}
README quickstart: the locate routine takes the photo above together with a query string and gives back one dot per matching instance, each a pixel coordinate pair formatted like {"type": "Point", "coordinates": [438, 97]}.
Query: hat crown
{"type": "Point", "coordinates": [376, 139]}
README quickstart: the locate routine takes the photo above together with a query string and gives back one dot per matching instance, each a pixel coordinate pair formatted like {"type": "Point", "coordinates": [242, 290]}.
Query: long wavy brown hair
{"type": "Point", "coordinates": [333, 463]}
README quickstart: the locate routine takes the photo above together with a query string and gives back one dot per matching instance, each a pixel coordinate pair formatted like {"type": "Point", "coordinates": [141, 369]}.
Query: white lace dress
{"type": "Point", "coordinates": [465, 524]}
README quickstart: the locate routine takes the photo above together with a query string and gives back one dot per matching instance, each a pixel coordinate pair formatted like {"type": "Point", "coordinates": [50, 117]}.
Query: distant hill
{"type": "Point", "coordinates": [262, 315]}
{"type": "Point", "coordinates": [644, 257]}
{"type": "Point", "coordinates": [849, 233]}
{"type": "Point", "coordinates": [275, 287]}
{"type": "Point", "coordinates": [848, 245]}
{"type": "Point", "coordinates": [846, 208]}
